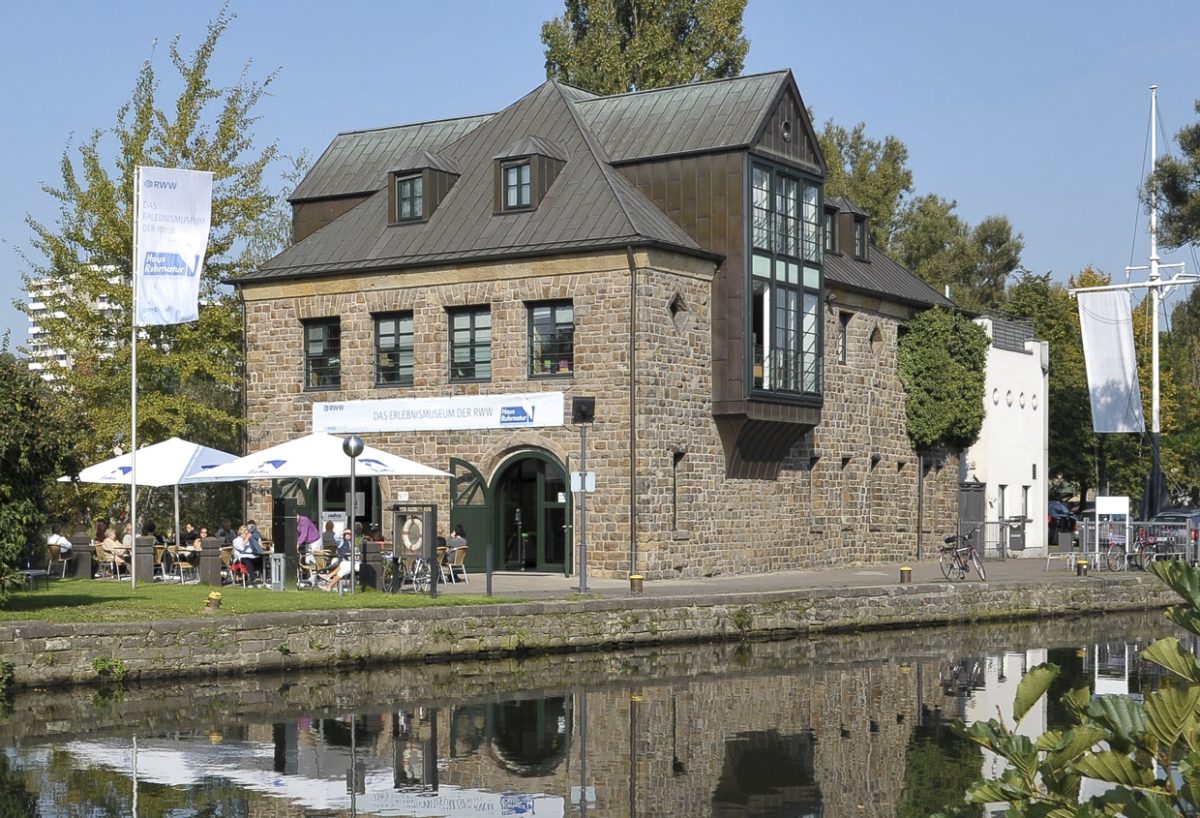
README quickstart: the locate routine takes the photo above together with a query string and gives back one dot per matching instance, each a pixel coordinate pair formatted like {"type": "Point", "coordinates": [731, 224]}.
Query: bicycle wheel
{"type": "Point", "coordinates": [978, 563]}
{"type": "Point", "coordinates": [1114, 559]}
{"type": "Point", "coordinates": [422, 574]}
{"type": "Point", "coordinates": [952, 567]}
{"type": "Point", "coordinates": [1145, 556]}
{"type": "Point", "coordinates": [389, 578]}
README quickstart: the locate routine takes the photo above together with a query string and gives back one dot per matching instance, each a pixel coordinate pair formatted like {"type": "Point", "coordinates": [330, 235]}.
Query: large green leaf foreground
{"type": "Point", "coordinates": [1148, 753]}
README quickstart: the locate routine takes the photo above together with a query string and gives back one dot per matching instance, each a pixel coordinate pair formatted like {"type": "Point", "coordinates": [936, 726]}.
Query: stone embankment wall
{"type": "Point", "coordinates": [52, 653]}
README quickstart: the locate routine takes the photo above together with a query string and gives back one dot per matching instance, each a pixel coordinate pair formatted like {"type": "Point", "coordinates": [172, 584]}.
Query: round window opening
{"type": "Point", "coordinates": [1033, 401]}
{"type": "Point", "coordinates": [786, 130]}
{"type": "Point", "coordinates": [1008, 398]}
{"type": "Point", "coordinates": [996, 396]}
{"type": "Point", "coordinates": [1022, 400]}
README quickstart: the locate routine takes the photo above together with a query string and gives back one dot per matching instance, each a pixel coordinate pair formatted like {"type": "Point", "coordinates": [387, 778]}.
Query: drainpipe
{"type": "Point", "coordinates": [633, 569]}
{"type": "Point", "coordinates": [245, 426]}
{"type": "Point", "coordinates": [920, 499]}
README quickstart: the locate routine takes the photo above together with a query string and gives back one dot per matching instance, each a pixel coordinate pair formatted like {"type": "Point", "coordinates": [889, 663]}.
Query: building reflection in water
{"type": "Point", "coordinates": [756, 737]}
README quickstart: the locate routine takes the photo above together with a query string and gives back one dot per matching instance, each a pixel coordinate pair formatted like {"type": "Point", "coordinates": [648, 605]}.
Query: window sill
{"type": "Point", "coordinates": [551, 376]}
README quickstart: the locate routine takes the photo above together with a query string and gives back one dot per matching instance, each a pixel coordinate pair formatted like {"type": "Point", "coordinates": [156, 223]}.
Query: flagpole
{"type": "Point", "coordinates": [137, 199]}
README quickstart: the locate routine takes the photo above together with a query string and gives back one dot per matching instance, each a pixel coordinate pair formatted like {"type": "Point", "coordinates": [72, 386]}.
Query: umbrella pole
{"type": "Point", "coordinates": [178, 538]}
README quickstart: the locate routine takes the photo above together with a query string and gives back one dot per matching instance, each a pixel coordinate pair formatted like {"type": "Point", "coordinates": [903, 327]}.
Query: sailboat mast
{"type": "Point", "coordinates": [1155, 277]}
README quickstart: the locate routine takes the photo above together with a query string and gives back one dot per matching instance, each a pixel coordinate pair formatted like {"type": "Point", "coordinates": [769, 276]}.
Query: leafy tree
{"type": "Point", "coordinates": [35, 448]}
{"type": "Point", "coordinates": [1147, 753]}
{"type": "Point", "coordinates": [1181, 360]}
{"type": "Point", "coordinates": [1176, 181]}
{"type": "Point", "coordinates": [189, 375]}
{"type": "Point", "coordinates": [614, 46]}
{"type": "Point", "coordinates": [871, 173]}
{"type": "Point", "coordinates": [974, 262]}
{"type": "Point", "coordinates": [941, 364]}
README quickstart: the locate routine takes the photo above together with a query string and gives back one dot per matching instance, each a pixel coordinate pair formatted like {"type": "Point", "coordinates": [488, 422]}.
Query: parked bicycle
{"type": "Point", "coordinates": [957, 556]}
{"type": "Point", "coordinates": [416, 572]}
{"type": "Point", "coordinates": [1145, 548]}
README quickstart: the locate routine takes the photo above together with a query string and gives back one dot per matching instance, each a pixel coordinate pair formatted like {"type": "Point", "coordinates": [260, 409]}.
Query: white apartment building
{"type": "Point", "coordinates": [40, 296]}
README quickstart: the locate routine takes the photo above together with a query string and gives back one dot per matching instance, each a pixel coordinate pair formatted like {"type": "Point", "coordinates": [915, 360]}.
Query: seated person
{"type": "Point", "coordinates": [306, 533]}
{"type": "Point", "coordinates": [56, 538]}
{"type": "Point", "coordinates": [189, 535]}
{"type": "Point", "coordinates": [248, 554]}
{"type": "Point", "coordinates": [112, 547]}
{"type": "Point", "coordinates": [341, 565]}
{"type": "Point", "coordinates": [329, 537]}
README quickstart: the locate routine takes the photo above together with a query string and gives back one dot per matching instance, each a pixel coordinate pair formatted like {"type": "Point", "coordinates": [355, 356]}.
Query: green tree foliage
{"type": "Point", "coordinates": [939, 765]}
{"type": "Point", "coordinates": [614, 46]}
{"type": "Point", "coordinates": [871, 173]}
{"type": "Point", "coordinates": [189, 375]}
{"type": "Point", "coordinates": [1146, 753]}
{"type": "Point", "coordinates": [1181, 360]}
{"type": "Point", "coordinates": [1176, 181]}
{"type": "Point", "coordinates": [941, 364]}
{"type": "Point", "coordinates": [974, 262]}
{"type": "Point", "coordinates": [35, 448]}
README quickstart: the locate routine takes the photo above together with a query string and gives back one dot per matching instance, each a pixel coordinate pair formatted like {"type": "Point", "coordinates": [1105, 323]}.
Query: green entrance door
{"type": "Point", "coordinates": [470, 507]}
{"type": "Point", "coordinates": [531, 498]}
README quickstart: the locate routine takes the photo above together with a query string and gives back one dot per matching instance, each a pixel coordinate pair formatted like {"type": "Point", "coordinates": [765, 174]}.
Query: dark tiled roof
{"type": "Point", "coordinates": [844, 205]}
{"type": "Point", "coordinates": [880, 275]}
{"type": "Point", "coordinates": [721, 114]}
{"type": "Point", "coordinates": [533, 146]}
{"type": "Point", "coordinates": [421, 159]}
{"type": "Point", "coordinates": [358, 162]}
{"type": "Point", "coordinates": [589, 206]}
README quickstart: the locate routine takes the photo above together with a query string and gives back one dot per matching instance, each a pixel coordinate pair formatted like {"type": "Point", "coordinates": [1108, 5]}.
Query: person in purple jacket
{"type": "Point", "coordinates": [306, 532]}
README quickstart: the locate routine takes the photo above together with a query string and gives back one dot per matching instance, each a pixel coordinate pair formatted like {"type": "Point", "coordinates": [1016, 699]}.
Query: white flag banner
{"type": "Point", "coordinates": [1106, 324]}
{"type": "Point", "coordinates": [172, 214]}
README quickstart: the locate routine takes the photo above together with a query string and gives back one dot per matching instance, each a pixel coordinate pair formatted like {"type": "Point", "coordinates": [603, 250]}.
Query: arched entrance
{"type": "Point", "coordinates": [531, 498]}
{"type": "Point", "coordinates": [524, 514]}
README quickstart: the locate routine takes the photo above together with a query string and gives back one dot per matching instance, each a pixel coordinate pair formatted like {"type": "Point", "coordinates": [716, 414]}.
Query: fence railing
{"type": "Point", "coordinates": [994, 539]}
{"type": "Point", "coordinates": [1156, 540]}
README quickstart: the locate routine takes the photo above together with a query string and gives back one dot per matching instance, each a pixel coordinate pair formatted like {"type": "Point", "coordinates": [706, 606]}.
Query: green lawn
{"type": "Point", "coordinates": [82, 600]}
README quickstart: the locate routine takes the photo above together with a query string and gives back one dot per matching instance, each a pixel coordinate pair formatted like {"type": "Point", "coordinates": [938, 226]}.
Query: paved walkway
{"type": "Point", "coordinates": [542, 585]}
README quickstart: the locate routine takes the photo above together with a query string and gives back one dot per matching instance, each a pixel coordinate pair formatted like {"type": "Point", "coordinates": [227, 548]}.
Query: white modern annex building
{"type": "Point", "coordinates": [1009, 458]}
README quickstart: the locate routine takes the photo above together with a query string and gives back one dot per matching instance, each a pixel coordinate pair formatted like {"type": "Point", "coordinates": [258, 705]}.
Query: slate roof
{"type": "Point", "coordinates": [589, 206]}
{"type": "Point", "coordinates": [880, 275]}
{"type": "Point", "coordinates": [714, 115]}
{"type": "Point", "coordinates": [358, 162]}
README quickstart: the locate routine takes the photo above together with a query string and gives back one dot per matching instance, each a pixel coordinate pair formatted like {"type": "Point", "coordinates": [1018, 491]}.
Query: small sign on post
{"type": "Point", "coordinates": [583, 481]}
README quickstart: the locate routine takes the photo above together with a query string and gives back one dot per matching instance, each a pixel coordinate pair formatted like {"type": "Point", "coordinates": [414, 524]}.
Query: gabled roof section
{"type": "Point", "coordinates": [844, 205]}
{"type": "Point", "coordinates": [882, 276]}
{"type": "Point", "coordinates": [357, 162]}
{"type": "Point", "coordinates": [704, 116]}
{"type": "Point", "coordinates": [533, 146]}
{"type": "Point", "coordinates": [421, 159]}
{"type": "Point", "coordinates": [590, 205]}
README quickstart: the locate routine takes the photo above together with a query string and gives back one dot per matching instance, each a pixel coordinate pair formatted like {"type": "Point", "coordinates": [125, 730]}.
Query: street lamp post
{"type": "Point", "coordinates": [353, 447]}
{"type": "Point", "coordinates": [583, 414]}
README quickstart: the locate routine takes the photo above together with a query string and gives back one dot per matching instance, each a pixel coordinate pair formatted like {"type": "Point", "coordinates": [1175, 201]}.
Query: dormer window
{"type": "Point", "coordinates": [860, 239]}
{"type": "Point", "coordinates": [418, 185]}
{"type": "Point", "coordinates": [410, 198]}
{"type": "Point", "coordinates": [525, 173]}
{"type": "Point", "coordinates": [517, 186]}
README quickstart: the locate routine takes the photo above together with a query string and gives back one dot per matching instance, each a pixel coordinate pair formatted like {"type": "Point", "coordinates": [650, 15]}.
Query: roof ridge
{"type": "Point", "coordinates": [413, 124]}
{"type": "Point", "coordinates": [598, 153]}
{"type": "Point", "coordinates": [760, 74]}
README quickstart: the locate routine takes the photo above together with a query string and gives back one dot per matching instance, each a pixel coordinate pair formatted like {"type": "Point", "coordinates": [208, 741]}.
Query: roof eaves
{"type": "Point", "coordinates": [431, 259]}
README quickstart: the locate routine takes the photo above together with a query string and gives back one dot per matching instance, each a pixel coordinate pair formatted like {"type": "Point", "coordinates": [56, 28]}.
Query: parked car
{"type": "Point", "coordinates": [1059, 519]}
{"type": "Point", "coordinates": [1184, 527]}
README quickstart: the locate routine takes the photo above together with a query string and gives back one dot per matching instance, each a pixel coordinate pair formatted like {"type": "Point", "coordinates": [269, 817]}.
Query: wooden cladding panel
{"type": "Point", "coordinates": [310, 216]}
{"type": "Point", "coordinates": [798, 147]}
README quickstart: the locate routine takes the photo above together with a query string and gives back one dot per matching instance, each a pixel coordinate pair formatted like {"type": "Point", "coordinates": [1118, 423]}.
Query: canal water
{"type": "Point", "coordinates": [833, 726]}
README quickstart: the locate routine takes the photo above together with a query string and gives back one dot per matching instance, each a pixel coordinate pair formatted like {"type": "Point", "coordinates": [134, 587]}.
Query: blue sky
{"type": "Point", "coordinates": [1038, 111]}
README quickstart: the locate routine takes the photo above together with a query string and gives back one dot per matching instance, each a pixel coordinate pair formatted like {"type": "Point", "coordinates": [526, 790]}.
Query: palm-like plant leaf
{"type": "Point", "coordinates": [1122, 717]}
{"type": "Point", "coordinates": [1071, 745]}
{"type": "Point", "coordinates": [1181, 577]}
{"type": "Point", "coordinates": [1032, 687]}
{"type": "Point", "coordinates": [1115, 768]}
{"type": "Point", "coordinates": [1168, 653]}
{"type": "Point", "coordinates": [1170, 712]}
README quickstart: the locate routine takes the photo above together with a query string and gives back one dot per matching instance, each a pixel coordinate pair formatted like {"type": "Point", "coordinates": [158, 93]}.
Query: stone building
{"type": "Point", "coordinates": [455, 286]}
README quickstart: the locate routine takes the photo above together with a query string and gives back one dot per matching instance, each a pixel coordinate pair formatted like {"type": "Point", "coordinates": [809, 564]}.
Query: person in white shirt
{"type": "Point", "coordinates": [56, 538]}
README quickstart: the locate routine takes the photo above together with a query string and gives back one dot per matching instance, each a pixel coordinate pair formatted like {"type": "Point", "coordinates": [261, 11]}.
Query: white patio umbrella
{"type": "Point", "coordinates": [318, 455]}
{"type": "Point", "coordinates": [160, 464]}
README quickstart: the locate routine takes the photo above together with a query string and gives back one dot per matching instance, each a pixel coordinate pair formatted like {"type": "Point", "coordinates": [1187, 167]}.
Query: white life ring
{"type": "Point", "coordinates": [411, 541]}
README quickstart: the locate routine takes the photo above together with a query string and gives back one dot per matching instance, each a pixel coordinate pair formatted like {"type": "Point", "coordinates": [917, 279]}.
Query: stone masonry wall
{"type": "Point", "coordinates": [846, 494]}
{"type": "Point", "coordinates": [54, 653]}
